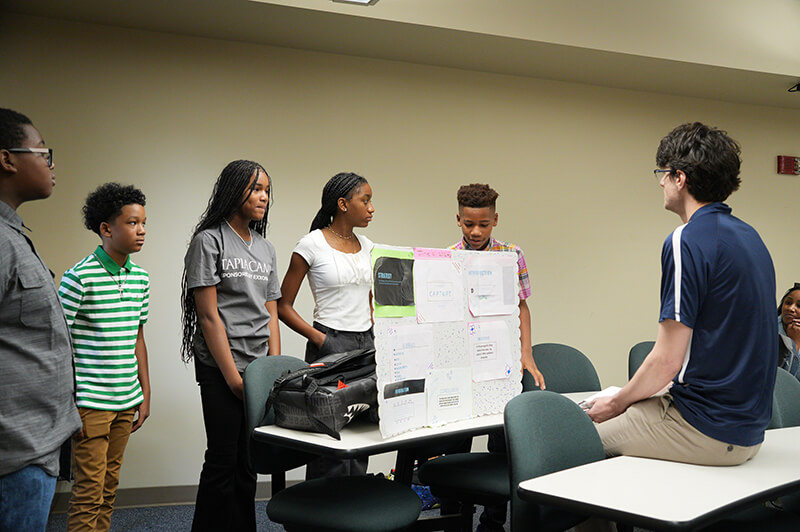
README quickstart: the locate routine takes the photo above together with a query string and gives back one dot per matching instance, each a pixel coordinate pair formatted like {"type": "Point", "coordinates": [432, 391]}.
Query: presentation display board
{"type": "Point", "coordinates": [446, 335]}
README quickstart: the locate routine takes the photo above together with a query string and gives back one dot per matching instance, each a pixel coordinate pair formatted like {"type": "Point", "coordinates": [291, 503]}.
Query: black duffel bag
{"type": "Point", "coordinates": [328, 394]}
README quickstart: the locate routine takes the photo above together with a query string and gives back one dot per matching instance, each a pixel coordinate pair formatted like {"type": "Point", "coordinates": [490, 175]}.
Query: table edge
{"type": "Point", "coordinates": [372, 449]}
{"type": "Point", "coordinates": [651, 522]}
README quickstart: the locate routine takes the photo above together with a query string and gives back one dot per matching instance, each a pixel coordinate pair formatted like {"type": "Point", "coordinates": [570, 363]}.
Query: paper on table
{"type": "Point", "coordinates": [411, 351]}
{"type": "Point", "coordinates": [492, 283]}
{"type": "Point", "coordinates": [489, 350]}
{"type": "Point", "coordinates": [438, 288]}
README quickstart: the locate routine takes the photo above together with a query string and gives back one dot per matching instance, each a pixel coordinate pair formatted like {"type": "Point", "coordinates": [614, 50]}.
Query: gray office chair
{"type": "Point", "coordinates": [545, 433]}
{"type": "Point", "coordinates": [269, 459]}
{"type": "Point", "coordinates": [482, 478]}
{"type": "Point", "coordinates": [786, 398]}
{"type": "Point", "coordinates": [637, 355]}
{"type": "Point", "coordinates": [473, 479]}
{"type": "Point", "coordinates": [565, 369]}
{"type": "Point", "coordinates": [344, 504]}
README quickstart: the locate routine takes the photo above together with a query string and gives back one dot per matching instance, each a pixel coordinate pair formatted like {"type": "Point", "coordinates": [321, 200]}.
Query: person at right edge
{"type": "Point", "coordinates": [789, 331]}
{"type": "Point", "coordinates": [716, 338]}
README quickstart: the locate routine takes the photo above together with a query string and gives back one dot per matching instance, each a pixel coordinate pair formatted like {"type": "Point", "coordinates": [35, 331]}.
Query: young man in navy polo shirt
{"type": "Point", "coordinates": [716, 342]}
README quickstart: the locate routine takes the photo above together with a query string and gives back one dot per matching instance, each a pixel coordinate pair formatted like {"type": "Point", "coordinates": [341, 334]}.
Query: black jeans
{"type": "Point", "coordinates": [337, 342]}
{"type": "Point", "coordinates": [227, 490]}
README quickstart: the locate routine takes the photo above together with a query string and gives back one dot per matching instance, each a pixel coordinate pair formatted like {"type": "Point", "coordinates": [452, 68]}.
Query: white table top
{"type": "Point", "coordinates": [666, 495]}
{"type": "Point", "coordinates": [363, 439]}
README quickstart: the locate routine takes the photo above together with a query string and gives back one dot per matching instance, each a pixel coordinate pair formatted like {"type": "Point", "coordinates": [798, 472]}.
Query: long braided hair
{"type": "Point", "coordinates": [232, 184]}
{"type": "Point", "coordinates": [342, 185]}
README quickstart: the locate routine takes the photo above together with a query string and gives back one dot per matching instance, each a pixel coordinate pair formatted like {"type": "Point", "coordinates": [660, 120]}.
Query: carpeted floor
{"type": "Point", "coordinates": [174, 519]}
{"type": "Point", "coordinates": [159, 519]}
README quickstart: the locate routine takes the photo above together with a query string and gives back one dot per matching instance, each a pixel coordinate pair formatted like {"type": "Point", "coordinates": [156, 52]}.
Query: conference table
{"type": "Point", "coordinates": [359, 439]}
{"type": "Point", "coordinates": [661, 495]}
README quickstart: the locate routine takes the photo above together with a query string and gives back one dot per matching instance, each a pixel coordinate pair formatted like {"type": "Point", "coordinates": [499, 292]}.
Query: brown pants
{"type": "Point", "coordinates": [96, 461]}
{"type": "Point", "coordinates": [654, 428]}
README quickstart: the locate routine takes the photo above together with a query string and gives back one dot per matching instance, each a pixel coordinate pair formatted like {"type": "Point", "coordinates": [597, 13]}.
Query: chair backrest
{"type": "Point", "coordinates": [565, 370]}
{"type": "Point", "coordinates": [785, 401]}
{"type": "Point", "coordinates": [637, 355]}
{"type": "Point", "coordinates": [546, 432]}
{"type": "Point", "coordinates": [775, 421]}
{"type": "Point", "coordinates": [259, 376]}
{"type": "Point", "coordinates": [786, 413]}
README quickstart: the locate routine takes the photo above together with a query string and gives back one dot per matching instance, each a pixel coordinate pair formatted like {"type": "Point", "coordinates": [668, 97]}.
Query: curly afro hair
{"type": "Point", "coordinates": [477, 195]}
{"type": "Point", "coordinates": [106, 203]}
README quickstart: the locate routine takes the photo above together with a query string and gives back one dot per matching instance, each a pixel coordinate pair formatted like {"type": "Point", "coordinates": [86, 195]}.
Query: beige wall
{"type": "Point", "coordinates": [572, 163]}
{"type": "Point", "coordinates": [743, 34]}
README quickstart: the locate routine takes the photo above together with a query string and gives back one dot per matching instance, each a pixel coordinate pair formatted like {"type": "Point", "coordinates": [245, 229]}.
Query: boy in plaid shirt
{"type": "Point", "coordinates": [477, 217]}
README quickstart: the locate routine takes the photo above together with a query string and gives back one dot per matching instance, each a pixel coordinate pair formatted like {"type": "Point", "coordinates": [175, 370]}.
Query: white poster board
{"type": "Point", "coordinates": [453, 352]}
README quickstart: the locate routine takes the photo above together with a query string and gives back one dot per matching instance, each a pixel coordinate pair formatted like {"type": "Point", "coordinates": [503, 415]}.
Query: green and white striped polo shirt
{"type": "Point", "coordinates": [105, 304]}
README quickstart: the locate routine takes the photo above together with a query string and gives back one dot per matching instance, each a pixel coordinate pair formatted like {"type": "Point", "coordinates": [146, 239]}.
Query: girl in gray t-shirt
{"type": "Point", "coordinates": [229, 299]}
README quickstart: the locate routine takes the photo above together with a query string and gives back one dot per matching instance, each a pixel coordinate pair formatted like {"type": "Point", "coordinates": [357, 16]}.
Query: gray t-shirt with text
{"type": "Point", "coordinates": [246, 278]}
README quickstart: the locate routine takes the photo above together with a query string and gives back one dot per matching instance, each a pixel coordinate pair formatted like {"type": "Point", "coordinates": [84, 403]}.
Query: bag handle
{"type": "Point", "coordinates": [322, 427]}
{"type": "Point", "coordinates": [276, 386]}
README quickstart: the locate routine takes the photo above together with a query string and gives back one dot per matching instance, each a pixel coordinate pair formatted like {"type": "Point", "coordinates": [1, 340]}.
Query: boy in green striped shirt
{"type": "Point", "coordinates": [105, 298]}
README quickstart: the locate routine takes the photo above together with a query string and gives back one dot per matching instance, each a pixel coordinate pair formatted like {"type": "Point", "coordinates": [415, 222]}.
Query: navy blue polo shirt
{"type": "Point", "coordinates": [718, 280]}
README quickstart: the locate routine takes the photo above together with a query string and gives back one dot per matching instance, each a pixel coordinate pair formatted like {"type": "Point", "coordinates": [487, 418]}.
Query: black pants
{"type": "Point", "coordinates": [227, 490]}
{"type": "Point", "coordinates": [337, 342]}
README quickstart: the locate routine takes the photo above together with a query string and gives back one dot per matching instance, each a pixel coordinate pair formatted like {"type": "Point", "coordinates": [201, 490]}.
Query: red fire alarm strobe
{"type": "Point", "coordinates": [788, 165]}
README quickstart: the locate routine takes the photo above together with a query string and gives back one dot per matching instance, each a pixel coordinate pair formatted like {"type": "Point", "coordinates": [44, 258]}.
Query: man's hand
{"type": "Point", "coordinates": [655, 373]}
{"type": "Point", "coordinates": [603, 409]}
{"type": "Point", "coordinates": [143, 411]}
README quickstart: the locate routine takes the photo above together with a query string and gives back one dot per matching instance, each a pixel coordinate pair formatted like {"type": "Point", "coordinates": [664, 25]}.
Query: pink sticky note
{"type": "Point", "coordinates": [432, 253]}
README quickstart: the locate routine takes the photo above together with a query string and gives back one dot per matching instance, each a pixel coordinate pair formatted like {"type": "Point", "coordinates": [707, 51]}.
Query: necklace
{"type": "Point", "coordinates": [120, 285]}
{"type": "Point", "coordinates": [247, 244]}
{"type": "Point", "coordinates": [341, 236]}
{"type": "Point", "coordinates": [351, 238]}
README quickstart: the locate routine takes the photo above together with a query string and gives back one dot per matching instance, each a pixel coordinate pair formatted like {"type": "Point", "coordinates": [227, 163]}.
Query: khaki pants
{"type": "Point", "coordinates": [96, 461]}
{"type": "Point", "coordinates": [654, 428]}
